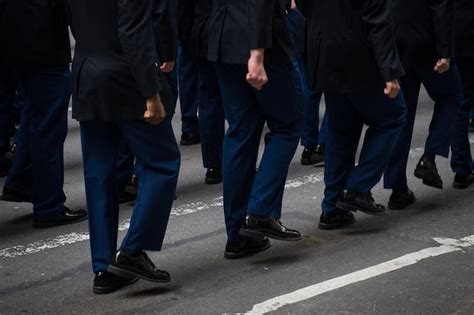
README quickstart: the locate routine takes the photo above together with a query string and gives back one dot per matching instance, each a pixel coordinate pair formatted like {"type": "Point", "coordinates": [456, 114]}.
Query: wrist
{"type": "Point", "coordinates": [257, 55]}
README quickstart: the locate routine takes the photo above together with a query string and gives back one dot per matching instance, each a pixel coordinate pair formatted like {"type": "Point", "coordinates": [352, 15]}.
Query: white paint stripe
{"type": "Point", "coordinates": [72, 238]}
{"type": "Point", "coordinates": [447, 246]}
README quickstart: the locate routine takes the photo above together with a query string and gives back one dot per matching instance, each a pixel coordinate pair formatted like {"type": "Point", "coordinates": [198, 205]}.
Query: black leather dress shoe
{"type": "Point", "coordinates": [352, 201]}
{"type": "Point", "coordinates": [188, 138]}
{"type": "Point", "coordinates": [67, 217]}
{"type": "Point", "coordinates": [13, 195]}
{"type": "Point", "coordinates": [471, 125]}
{"type": "Point", "coordinates": [213, 176]}
{"type": "Point", "coordinates": [132, 186]}
{"type": "Point", "coordinates": [313, 156]}
{"type": "Point", "coordinates": [427, 171]}
{"type": "Point", "coordinates": [258, 227]}
{"type": "Point", "coordinates": [401, 199]}
{"type": "Point", "coordinates": [106, 282]}
{"type": "Point", "coordinates": [462, 181]}
{"type": "Point", "coordinates": [246, 248]}
{"type": "Point", "coordinates": [5, 166]}
{"type": "Point", "coordinates": [126, 197]}
{"type": "Point", "coordinates": [137, 265]}
{"type": "Point", "coordinates": [336, 220]}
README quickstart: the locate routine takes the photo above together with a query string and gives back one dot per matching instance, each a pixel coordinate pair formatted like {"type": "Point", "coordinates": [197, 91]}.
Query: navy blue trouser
{"type": "Point", "coordinates": [43, 130]}
{"type": "Point", "coordinates": [347, 113]}
{"type": "Point", "coordinates": [188, 90]}
{"type": "Point", "coordinates": [461, 159]}
{"type": "Point", "coordinates": [126, 161]}
{"type": "Point", "coordinates": [211, 116]}
{"type": "Point", "coordinates": [247, 191]}
{"type": "Point", "coordinates": [446, 90]}
{"type": "Point", "coordinates": [158, 160]}
{"type": "Point", "coordinates": [8, 87]}
{"type": "Point", "coordinates": [312, 134]}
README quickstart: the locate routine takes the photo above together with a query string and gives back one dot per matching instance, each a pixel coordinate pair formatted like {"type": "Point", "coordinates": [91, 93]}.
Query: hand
{"type": "Point", "coordinates": [442, 65]}
{"type": "Point", "coordinates": [294, 7]}
{"type": "Point", "coordinates": [256, 76]}
{"type": "Point", "coordinates": [167, 66]}
{"type": "Point", "coordinates": [392, 88]}
{"type": "Point", "coordinates": [155, 111]}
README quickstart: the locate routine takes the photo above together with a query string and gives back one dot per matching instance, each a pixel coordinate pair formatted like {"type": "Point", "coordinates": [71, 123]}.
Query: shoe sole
{"type": "Point", "coordinates": [427, 179]}
{"type": "Point", "coordinates": [9, 198]}
{"type": "Point", "coordinates": [189, 143]}
{"type": "Point", "coordinates": [261, 234]}
{"type": "Point", "coordinates": [46, 225]}
{"type": "Point", "coordinates": [328, 227]}
{"type": "Point", "coordinates": [232, 256]}
{"type": "Point", "coordinates": [112, 289]}
{"type": "Point", "coordinates": [354, 208]}
{"type": "Point", "coordinates": [130, 274]}
{"type": "Point", "coordinates": [212, 181]}
{"type": "Point", "coordinates": [461, 186]}
{"type": "Point", "coordinates": [310, 162]}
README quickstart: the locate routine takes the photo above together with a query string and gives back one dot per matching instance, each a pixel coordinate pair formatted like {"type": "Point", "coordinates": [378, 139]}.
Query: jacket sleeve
{"type": "Point", "coordinates": [137, 38]}
{"type": "Point", "coordinates": [444, 25]}
{"type": "Point", "coordinates": [260, 20]}
{"type": "Point", "coordinates": [303, 6]}
{"type": "Point", "coordinates": [377, 16]}
{"type": "Point", "coordinates": [164, 21]}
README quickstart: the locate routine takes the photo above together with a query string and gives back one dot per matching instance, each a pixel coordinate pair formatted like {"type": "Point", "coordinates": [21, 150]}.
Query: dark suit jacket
{"type": "Point", "coordinates": [350, 44]}
{"type": "Point", "coordinates": [115, 65]}
{"type": "Point", "coordinates": [34, 32]}
{"type": "Point", "coordinates": [465, 27]}
{"type": "Point", "coordinates": [164, 20]}
{"type": "Point", "coordinates": [237, 26]}
{"type": "Point", "coordinates": [199, 39]}
{"type": "Point", "coordinates": [424, 30]}
{"type": "Point", "coordinates": [185, 15]}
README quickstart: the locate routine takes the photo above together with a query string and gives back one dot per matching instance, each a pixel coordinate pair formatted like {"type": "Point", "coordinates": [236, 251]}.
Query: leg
{"type": "Point", "coordinates": [48, 91]}
{"type": "Point", "coordinates": [211, 116]}
{"type": "Point", "coordinates": [8, 88]}
{"type": "Point", "coordinates": [461, 148]}
{"type": "Point", "coordinates": [241, 144]}
{"type": "Point", "coordinates": [446, 90]}
{"type": "Point", "coordinates": [395, 172]}
{"type": "Point", "coordinates": [283, 112]}
{"type": "Point", "coordinates": [344, 128]}
{"type": "Point", "coordinates": [385, 118]}
{"type": "Point", "coordinates": [158, 158]}
{"type": "Point", "coordinates": [188, 89]}
{"type": "Point", "coordinates": [125, 164]}
{"type": "Point", "coordinates": [100, 145]}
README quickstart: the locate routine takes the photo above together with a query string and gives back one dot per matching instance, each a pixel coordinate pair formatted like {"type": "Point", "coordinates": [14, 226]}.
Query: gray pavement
{"type": "Point", "coordinates": [48, 271]}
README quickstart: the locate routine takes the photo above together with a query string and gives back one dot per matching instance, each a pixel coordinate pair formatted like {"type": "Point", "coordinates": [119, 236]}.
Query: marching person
{"type": "Point", "coordinates": [362, 89]}
{"type": "Point", "coordinates": [251, 45]}
{"type": "Point", "coordinates": [120, 94]}
{"type": "Point", "coordinates": [211, 111]}
{"type": "Point", "coordinates": [461, 159]}
{"type": "Point", "coordinates": [187, 76]}
{"type": "Point", "coordinates": [44, 77]}
{"type": "Point", "coordinates": [313, 138]}
{"type": "Point", "coordinates": [425, 38]}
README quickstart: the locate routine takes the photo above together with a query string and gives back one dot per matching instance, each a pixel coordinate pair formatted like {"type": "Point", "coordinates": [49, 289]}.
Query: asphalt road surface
{"type": "Point", "coordinates": [417, 261]}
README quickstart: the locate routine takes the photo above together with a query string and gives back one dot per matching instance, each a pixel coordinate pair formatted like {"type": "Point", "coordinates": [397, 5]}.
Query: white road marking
{"type": "Point", "coordinates": [72, 238]}
{"type": "Point", "coordinates": [447, 246]}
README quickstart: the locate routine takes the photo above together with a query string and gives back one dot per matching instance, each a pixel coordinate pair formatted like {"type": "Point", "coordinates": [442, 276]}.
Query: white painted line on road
{"type": "Point", "coordinates": [72, 238]}
{"type": "Point", "coordinates": [447, 246]}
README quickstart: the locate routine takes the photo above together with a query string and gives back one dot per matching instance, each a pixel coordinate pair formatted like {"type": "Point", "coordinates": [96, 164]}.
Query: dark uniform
{"type": "Point", "coordinates": [236, 27]}
{"type": "Point", "coordinates": [39, 53]}
{"type": "Point", "coordinates": [187, 75]}
{"type": "Point", "coordinates": [351, 55]}
{"type": "Point", "coordinates": [115, 69]}
{"type": "Point", "coordinates": [461, 160]}
{"type": "Point", "coordinates": [211, 111]}
{"type": "Point", "coordinates": [314, 136]}
{"type": "Point", "coordinates": [424, 34]}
